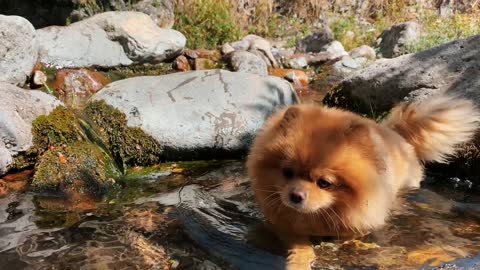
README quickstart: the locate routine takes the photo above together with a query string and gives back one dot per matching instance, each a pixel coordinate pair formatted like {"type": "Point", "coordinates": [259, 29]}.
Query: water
{"type": "Point", "coordinates": [208, 220]}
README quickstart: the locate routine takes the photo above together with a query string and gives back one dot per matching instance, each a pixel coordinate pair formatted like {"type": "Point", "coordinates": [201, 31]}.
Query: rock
{"type": "Point", "coordinates": [162, 12]}
{"type": "Point", "coordinates": [241, 45]}
{"type": "Point", "coordinates": [108, 39]}
{"type": "Point", "coordinates": [129, 146]}
{"type": "Point", "coordinates": [39, 12]}
{"type": "Point", "coordinates": [452, 68]}
{"type": "Point", "coordinates": [208, 265]}
{"type": "Point", "coordinates": [262, 45]}
{"type": "Point", "coordinates": [243, 61]}
{"type": "Point", "coordinates": [39, 78]}
{"type": "Point", "coordinates": [181, 63]}
{"type": "Point", "coordinates": [363, 51]}
{"type": "Point", "coordinates": [320, 58]}
{"type": "Point", "coordinates": [254, 44]}
{"type": "Point", "coordinates": [446, 8]}
{"type": "Point", "coordinates": [203, 64]}
{"type": "Point", "coordinates": [199, 114]}
{"type": "Point", "coordinates": [298, 61]}
{"type": "Point", "coordinates": [394, 41]}
{"type": "Point", "coordinates": [19, 108]}
{"type": "Point", "coordinates": [281, 54]}
{"type": "Point", "coordinates": [348, 65]}
{"type": "Point", "coordinates": [335, 49]}
{"type": "Point", "coordinates": [227, 48]}
{"type": "Point", "coordinates": [18, 49]}
{"type": "Point", "coordinates": [78, 168]}
{"type": "Point", "coordinates": [213, 55]}
{"type": "Point", "coordinates": [261, 56]}
{"type": "Point", "coordinates": [316, 41]}
{"type": "Point", "coordinates": [191, 54]}
{"type": "Point", "coordinates": [81, 82]}
{"type": "Point", "coordinates": [298, 77]}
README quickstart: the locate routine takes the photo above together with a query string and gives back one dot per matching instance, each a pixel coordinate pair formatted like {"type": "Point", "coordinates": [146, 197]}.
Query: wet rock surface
{"type": "Point", "coordinates": [108, 39]}
{"type": "Point", "coordinates": [199, 113]}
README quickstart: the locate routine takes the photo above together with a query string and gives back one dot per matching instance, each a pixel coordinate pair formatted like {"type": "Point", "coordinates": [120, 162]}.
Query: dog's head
{"type": "Point", "coordinates": [317, 160]}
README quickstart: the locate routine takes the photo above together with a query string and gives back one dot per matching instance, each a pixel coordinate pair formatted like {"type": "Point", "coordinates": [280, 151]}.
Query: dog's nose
{"type": "Point", "coordinates": [297, 197]}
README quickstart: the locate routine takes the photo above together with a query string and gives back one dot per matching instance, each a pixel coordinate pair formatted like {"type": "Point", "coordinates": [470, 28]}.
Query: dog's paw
{"type": "Point", "coordinates": [300, 258]}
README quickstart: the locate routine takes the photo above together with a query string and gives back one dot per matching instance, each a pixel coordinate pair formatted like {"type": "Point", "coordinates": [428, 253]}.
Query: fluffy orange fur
{"type": "Point", "coordinates": [320, 171]}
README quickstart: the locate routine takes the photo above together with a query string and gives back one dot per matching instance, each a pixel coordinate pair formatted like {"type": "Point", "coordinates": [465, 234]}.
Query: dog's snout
{"type": "Point", "coordinates": [297, 197]}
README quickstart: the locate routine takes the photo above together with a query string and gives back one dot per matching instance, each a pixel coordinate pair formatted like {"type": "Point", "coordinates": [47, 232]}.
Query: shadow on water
{"type": "Point", "coordinates": [209, 220]}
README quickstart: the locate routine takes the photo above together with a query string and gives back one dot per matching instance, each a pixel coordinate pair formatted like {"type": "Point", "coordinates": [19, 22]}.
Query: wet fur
{"type": "Point", "coordinates": [368, 163]}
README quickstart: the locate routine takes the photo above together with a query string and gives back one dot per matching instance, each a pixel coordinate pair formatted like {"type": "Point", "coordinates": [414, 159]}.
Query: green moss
{"type": "Point", "coordinates": [339, 97]}
{"type": "Point", "coordinates": [128, 146]}
{"type": "Point", "coordinates": [24, 160]}
{"type": "Point", "coordinates": [79, 167]}
{"type": "Point", "coordinates": [57, 128]}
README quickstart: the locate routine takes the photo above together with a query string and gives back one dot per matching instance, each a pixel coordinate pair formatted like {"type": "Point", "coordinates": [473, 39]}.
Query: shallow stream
{"type": "Point", "coordinates": [207, 219]}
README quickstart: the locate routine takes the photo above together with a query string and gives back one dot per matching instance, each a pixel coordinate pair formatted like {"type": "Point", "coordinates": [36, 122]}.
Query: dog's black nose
{"type": "Point", "coordinates": [297, 197]}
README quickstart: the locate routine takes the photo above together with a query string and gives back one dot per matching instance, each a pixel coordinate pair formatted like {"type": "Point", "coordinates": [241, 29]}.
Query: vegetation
{"type": "Point", "coordinates": [209, 23]}
{"type": "Point", "coordinates": [440, 31]}
{"type": "Point", "coordinates": [58, 128]}
{"type": "Point", "coordinates": [206, 23]}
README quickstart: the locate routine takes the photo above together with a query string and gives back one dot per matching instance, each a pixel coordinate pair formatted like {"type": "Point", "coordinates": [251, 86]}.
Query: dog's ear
{"type": "Point", "coordinates": [289, 116]}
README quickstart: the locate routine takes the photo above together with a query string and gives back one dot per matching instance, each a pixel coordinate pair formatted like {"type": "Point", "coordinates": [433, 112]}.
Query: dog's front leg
{"type": "Point", "coordinates": [300, 254]}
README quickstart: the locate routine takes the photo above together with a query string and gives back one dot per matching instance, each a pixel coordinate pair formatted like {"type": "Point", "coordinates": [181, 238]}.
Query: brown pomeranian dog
{"type": "Point", "coordinates": [320, 171]}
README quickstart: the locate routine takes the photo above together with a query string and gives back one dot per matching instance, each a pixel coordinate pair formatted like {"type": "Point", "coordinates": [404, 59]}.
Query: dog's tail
{"type": "Point", "coordinates": [435, 126]}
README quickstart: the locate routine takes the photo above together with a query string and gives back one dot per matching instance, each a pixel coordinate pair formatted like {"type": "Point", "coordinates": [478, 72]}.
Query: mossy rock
{"type": "Point", "coordinates": [78, 168]}
{"type": "Point", "coordinates": [339, 97]}
{"type": "Point", "coordinates": [128, 146]}
{"type": "Point", "coordinates": [58, 128]}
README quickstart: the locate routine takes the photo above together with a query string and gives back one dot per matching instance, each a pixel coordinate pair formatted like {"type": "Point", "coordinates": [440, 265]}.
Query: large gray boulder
{"type": "Point", "coordinates": [108, 39]}
{"type": "Point", "coordinates": [19, 108]}
{"type": "Point", "coordinates": [42, 13]}
{"type": "Point", "coordinates": [162, 12]}
{"type": "Point", "coordinates": [199, 114]}
{"type": "Point", "coordinates": [452, 68]}
{"type": "Point", "coordinates": [18, 49]}
{"type": "Point", "coordinates": [394, 41]}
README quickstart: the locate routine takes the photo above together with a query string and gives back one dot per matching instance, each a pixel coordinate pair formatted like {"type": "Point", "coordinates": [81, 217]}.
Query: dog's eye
{"type": "Point", "coordinates": [288, 173]}
{"type": "Point", "coordinates": [323, 183]}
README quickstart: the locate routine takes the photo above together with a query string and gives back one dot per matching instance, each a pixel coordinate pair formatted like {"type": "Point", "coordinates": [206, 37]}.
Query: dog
{"type": "Point", "coordinates": [319, 171]}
